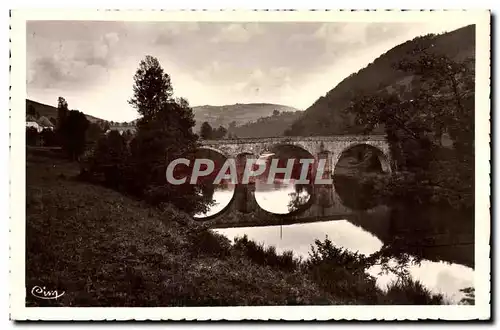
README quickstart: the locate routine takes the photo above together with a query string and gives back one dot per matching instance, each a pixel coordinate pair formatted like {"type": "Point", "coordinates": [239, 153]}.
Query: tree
{"type": "Point", "coordinates": [53, 121]}
{"type": "Point", "coordinates": [164, 133]}
{"type": "Point", "coordinates": [128, 135]}
{"type": "Point", "coordinates": [109, 158]}
{"type": "Point", "coordinates": [62, 111]}
{"type": "Point", "coordinates": [220, 132]}
{"type": "Point", "coordinates": [206, 131]}
{"type": "Point", "coordinates": [48, 137]}
{"type": "Point", "coordinates": [31, 136]}
{"type": "Point", "coordinates": [152, 88]}
{"type": "Point", "coordinates": [94, 133]}
{"type": "Point", "coordinates": [73, 130]}
{"type": "Point", "coordinates": [442, 99]}
{"type": "Point", "coordinates": [276, 113]}
{"type": "Point", "coordinates": [31, 110]}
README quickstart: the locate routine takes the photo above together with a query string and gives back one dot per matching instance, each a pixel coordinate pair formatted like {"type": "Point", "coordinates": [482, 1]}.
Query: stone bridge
{"type": "Point", "coordinates": [324, 203]}
{"type": "Point", "coordinates": [329, 147]}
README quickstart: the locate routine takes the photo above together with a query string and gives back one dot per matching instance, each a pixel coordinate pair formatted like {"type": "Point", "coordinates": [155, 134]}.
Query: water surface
{"type": "Point", "coordinates": [437, 276]}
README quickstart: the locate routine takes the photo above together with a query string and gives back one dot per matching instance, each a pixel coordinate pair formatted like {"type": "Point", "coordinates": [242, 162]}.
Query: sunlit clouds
{"type": "Point", "coordinates": [92, 64]}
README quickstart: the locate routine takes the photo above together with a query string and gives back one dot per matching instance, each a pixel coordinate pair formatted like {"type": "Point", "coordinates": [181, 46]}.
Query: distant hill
{"type": "Point", "coordinates": [50, 111]}
{"type": "Point", "coordinates": [238, 113]}
{"type": "Point", "coordinates": [325, 116]}
{"type": "Point", "coordinates": [270, 126]}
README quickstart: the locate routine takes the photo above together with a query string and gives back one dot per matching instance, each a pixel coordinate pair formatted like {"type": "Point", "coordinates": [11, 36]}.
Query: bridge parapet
{"type": "Point", "coordinates": [317, 146]}
{"type": "Point", "coordinates": [285, 139]}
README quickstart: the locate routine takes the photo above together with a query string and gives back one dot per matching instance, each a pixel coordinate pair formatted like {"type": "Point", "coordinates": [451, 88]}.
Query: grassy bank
{"type": "Point", "coordinates": [105, 249]}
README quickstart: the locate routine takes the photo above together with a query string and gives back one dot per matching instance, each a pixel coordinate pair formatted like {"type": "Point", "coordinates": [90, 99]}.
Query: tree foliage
{"type": "Point", "coordinates": [94, 132]}
{"type": "Point", "coordinates": [109, 158]}
{"type": "Point", "coordinates": [31, 136]}
{"type": "Point", "coordinates": [71, 130]}
{"type": "Point", "coordinates": [62, 111]}
{"type": "Point", "coordinates": [152, 88]}
{"type": "Point", "coordinates": [441, 100]}
{"type": "Point", "coordinates": [164, 133]}
{"type": "Point", "coordinates": [325, 116]}
{"type": "Point", "coordinates": [206, 131]}
{"type": "Point", "coordinates": [73, 133]}
{"type": "Point", "coordinates": [31, 110]}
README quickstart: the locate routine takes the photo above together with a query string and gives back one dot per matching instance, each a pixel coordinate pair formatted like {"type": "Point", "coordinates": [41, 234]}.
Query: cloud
{"type": "Point", "coordinates": [168, 33]}
{"type": "Point", "coordinates": [48, 72]}
{"type": "Point", "coordinates": [210, 62]}
{"type": "Point", "coordinates": [70, 63]}
{"type": "Point", "coordinates": [237, 33]}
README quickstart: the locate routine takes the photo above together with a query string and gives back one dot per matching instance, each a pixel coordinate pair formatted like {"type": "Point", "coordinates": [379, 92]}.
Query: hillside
{"type": "Point", "coordinates": [238, 113]}
{"type": "Point", "coordinates": [325, 116]}
{"type": "Point", "coordinates": [274, 125]}
{"type": "Point", "coordinates": [50, 111]}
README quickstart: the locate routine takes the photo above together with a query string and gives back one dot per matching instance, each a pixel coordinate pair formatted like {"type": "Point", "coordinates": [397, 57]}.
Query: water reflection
{"type": "Point", "coordinates": [432, 233]}
{"type": "Point", "coordinates": [439, 277]}
{"type": "Point", "coordinates": [220, 194]}
{"type": "Point", "coordinates": [282, 197]}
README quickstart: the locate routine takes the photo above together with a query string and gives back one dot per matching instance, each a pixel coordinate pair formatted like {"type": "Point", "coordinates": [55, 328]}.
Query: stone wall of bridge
{"type": "Point", "coordinates": [329, 147]}
{"type": "Point", "coordinates": [325, 202]}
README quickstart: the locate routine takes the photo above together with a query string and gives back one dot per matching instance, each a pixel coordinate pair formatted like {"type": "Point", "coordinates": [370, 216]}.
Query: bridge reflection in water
{"type": "Point", "coordinates": [445, 243]}
{"type": "Point", "coordinates": [436, 234]}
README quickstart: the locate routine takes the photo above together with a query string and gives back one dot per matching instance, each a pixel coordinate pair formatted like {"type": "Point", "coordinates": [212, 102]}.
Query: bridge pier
{"type": "Point", "coordinates": [244, 198]}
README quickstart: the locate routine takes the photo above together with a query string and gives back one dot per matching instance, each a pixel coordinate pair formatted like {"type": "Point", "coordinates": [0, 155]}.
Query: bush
{"type": "Point", "coordinates": [407, 291]}
{"type": "Point", "coordinates": [72, 133]}
{"type": "Point", "coordinates": [48, 137]}
{"type": "Point", "coordinates": [31, 136]}
{"type": "Point", "coordinates": [206, 242]}
{"type": "Point", "coordinates": [108, 159]}
{"type": "Point", "coordinates": [342, 273]}
{"type": "Point", "coordinates": [266, 256]}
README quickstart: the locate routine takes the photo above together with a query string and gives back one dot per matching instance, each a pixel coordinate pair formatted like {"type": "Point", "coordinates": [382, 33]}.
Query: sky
{"type": "Point", "coordinates": [92, 63]}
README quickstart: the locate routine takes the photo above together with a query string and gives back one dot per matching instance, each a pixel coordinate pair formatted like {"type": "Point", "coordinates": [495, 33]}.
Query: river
{"type": "Point", "coordinates": [447, 262]}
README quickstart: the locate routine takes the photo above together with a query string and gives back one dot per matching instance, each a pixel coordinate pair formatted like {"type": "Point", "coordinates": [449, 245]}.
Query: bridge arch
{"type": "Point", "coordinates": [380, 152]}
{"type": "Point", "coordinates": [282, 197]}
{"type": "Point", "coordinates": [222, 194]}
{"type": "Point", "coordinates": [219, 151]}
{"type": "Point", "coordinates": [293, 144]}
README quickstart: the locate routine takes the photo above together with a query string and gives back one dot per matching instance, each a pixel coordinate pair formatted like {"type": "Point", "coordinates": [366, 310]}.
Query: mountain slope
{"type": "Point", "coordinates": [50, 111]}
{"type": "Point", "coordinates": [274, 125]}
{"type": "Point", "coordinates": [325, 116]}
{"type": "Point", "coordinates": [238, 113]}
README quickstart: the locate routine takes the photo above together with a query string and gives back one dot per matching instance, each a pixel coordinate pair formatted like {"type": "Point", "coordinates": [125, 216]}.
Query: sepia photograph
{"type": "Point", "coordinates": [331, 160]}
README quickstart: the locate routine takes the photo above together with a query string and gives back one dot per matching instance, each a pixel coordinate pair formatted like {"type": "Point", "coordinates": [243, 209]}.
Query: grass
{"type": "Point", "coordinates": [105, 249]}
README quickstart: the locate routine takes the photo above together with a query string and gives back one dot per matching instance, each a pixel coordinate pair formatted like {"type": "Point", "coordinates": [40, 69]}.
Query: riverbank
{"type": "Point", "coordinates": [105, 249]}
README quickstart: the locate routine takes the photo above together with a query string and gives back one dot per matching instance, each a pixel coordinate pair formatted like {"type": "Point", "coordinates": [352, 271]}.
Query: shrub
{"type": "Point", "coordinates": [206, 242]}
{"type": "Point", "coordinates": [341, 273]}
{"type": "Point", "coordinates": [470, 296]}
{"type": "Point", "coordinates": [31, 136]}
{"type": "Point", "coordinates": [266, 256]}
{"type": "Point", "coordinates": [48, 137]}
{"type": "Point", "coordinates": [108, 159]}
{"type": "Point", "coordinates": [407, 291]}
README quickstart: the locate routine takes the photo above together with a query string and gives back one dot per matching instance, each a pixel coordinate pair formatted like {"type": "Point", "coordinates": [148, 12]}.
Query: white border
{"type": "Point", "coordinates": [17, 165]}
